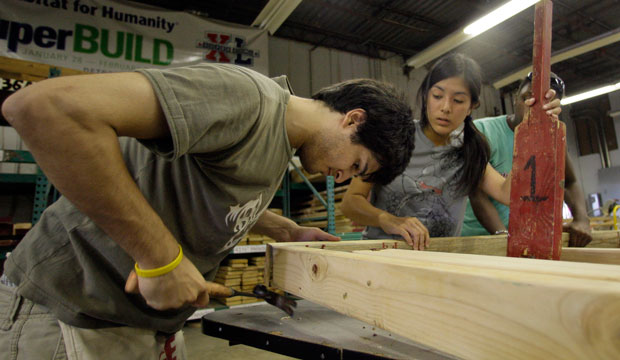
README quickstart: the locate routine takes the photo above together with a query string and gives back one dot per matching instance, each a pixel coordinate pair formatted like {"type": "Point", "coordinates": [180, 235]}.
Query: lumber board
{"type": "Point", "coordinates": [314, 209]}
{"type": "Point", "coordinates": [316, 214]}
{"type": "Point", "coordinates": [495, 245]}
{"type": "Point", "coordinates": [605, 238]}
{"type": "Point", "coordinates": [563, 268]}
{"type": "Point", "coordinates": [484, 308]}
{"type": "Point", "coordinates": [592, 255]}
{"type": "Point", "coordinates": [20, 76]}
{"type": "Point", "coordinates": [33, 71]}
{"type": "Point", "coordinates": [481, 245]}
{"type": "Point", "coordinates": [314, 201]}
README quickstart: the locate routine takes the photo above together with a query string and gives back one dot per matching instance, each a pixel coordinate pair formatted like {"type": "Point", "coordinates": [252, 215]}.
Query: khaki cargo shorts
{"type": "Point", "coordinates": [30, 331]}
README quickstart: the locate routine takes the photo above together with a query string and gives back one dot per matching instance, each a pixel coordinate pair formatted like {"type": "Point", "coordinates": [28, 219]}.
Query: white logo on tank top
{"type": "Point", "coordinates": [242, 218]}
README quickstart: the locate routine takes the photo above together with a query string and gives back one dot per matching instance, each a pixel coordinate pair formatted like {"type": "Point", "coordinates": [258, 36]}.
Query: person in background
{"type": "Point", "coordinates": [486, 216]}
{"type": "Point", "coordinates": [449, 162]}
{"type": "Point", "coordinates": [162, 172]}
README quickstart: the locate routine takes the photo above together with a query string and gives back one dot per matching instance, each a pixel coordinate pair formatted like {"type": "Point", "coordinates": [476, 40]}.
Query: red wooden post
{"type": "Point", "coordinates": [537, 188]}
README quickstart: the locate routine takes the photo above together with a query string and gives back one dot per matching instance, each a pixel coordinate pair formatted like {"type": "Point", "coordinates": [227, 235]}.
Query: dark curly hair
{"type": "Point", "coordinates": [388, 129]}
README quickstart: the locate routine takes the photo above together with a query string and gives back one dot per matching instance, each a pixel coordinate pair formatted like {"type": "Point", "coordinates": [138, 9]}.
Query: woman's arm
{"type": "Point", "coordinates": [495, 185]}
{"type": "Point", "coordinates": [356, 206]}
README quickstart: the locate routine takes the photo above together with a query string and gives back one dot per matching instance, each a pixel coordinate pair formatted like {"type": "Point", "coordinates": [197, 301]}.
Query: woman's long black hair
{"type": "Point", "coordinates": [474, 153]}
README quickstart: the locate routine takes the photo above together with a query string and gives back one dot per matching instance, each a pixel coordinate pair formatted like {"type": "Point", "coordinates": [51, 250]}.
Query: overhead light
{"type": "Point", "coordinates": [590, 94]}
{"type": "Point", "coordinates": [583, 47]}
{"type": "Point", "coordinates": [497, 16]}
{"type": "Point", "coordinates": [274, 14]}
{"type": "Point", "coordinates": [461, 36]}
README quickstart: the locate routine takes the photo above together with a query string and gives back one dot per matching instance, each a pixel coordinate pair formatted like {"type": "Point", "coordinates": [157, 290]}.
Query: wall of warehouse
{"type": "Point", "coordinates": [595, 178]}
{"type": "Point", "coordinates": [310, 68]}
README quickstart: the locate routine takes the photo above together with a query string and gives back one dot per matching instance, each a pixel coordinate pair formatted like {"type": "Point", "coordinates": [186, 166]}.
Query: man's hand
{"type": "Point", "coordinates": [552, 108]}
{"type": "Point", "coordinates": [286, 230]}
{"type": "Point", "coordinates": [182, 286]}
{"type": "Point", "coordinates": [579, 232]}
{"type": "Point", "coordinates": [410, 228]}
{"type": "Point", "coordinates": [302, 233]}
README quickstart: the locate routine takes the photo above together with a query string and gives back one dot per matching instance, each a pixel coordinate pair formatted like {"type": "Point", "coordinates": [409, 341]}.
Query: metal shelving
{"type": "Point", "coordinates": [329, 203]}
{"type": "Point", "coordinates": [42, 185]}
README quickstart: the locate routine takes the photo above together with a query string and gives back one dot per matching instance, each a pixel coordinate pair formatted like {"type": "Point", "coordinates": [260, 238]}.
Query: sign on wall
{"type": "Point", "coordinates": [112, 36]}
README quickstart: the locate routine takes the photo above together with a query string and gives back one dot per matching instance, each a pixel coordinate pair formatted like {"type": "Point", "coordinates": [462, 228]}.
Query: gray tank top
{"type": "Point", "coordinates": [426, 190]}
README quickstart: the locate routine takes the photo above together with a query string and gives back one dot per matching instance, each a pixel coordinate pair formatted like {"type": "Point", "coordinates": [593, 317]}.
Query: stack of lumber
{"type": "Point", "coordinates": [255, 239]}
{"type": "Point", "coordinates": [230, 275]}
{"type": "Point", "coordinates": [308, 212]}
{"type": "Point", "coordinates": [259, 262]}
{"type": "Point", "coordinates": [296, 178]}
{"type": "Point", "coordinates": [241, 275]}
{"type": "Point", "coordinates": [602, 223]}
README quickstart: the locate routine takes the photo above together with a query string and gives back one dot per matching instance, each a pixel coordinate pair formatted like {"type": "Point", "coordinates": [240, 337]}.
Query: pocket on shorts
{"type": "Point", "coordinates": [9, 305]}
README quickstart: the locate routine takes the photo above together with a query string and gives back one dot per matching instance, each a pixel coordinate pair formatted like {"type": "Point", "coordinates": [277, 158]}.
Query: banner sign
{"type": "Point", "coordinates": [110, 36]}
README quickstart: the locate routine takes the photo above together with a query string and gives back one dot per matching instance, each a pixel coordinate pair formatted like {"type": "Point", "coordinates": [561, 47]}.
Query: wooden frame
{"type": "Point", "coordinates": [468, 305]}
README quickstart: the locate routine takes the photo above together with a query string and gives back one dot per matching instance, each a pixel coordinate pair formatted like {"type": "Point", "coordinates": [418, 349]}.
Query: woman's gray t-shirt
{"type": "Point", "coordinates": [425, 190]}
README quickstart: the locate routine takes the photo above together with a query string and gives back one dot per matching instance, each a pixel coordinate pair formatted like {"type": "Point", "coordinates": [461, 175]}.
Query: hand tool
{"type": "Point", "coordinates": [260, 292]}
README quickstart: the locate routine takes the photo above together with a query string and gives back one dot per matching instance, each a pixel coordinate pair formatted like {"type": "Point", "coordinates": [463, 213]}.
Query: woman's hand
{"type": "Point", "coordinates": [410, 228]}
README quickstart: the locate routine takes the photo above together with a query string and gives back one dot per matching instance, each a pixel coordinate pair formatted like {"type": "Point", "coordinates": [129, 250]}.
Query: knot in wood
{"type": "Point", "coordinates": [317, 267]}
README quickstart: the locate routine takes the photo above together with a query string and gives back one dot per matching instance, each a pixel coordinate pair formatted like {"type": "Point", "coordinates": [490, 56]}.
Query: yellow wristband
{"type": "Point", "coordinates": [160, 270]}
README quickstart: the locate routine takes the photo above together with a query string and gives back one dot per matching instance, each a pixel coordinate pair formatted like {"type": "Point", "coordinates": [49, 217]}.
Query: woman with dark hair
{"type": "Point", "coordinates": [449, 162]}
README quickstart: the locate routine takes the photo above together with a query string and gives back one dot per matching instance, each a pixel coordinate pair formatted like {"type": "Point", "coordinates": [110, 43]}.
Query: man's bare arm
{"type": "Point", "coordinates": [283, 229]}
{"type": "Point", "coordinates": [71, 125]}
{"type": "Point", "coordinates": [485, 212]}
{"type": "Point", "coordinates": [579, 229]}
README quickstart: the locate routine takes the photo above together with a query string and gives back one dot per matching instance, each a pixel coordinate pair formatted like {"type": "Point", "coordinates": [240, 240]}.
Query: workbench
{"type": "Point", "coordinates": [314, 332]}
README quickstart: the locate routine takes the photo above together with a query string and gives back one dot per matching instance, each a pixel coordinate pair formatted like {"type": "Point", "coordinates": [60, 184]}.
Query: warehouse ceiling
{"type": "Point", "coordinates": [381, 28]}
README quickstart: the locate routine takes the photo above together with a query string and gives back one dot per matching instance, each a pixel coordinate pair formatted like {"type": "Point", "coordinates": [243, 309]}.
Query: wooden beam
{"type": "Point", "coordinates": [32, 71]}
{"type": "Point", "coordinates": [473, 307]}
{"type": "Point", "coordinates": [605, 238]}
{"type": "Point", "coordinates": [479, 245]}
{"type": "Point", "coordinates": [502, 263]}
{"type": "Point", "coordinates": [594, 255]}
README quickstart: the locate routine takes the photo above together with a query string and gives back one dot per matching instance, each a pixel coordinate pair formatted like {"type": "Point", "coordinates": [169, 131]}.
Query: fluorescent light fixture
{"type": "Point", "coordinates": [461, 36]}
{"type": "Point", "coordinates": [570, 52]}
{"type": "Point", "coordinates": [590, 94]}
{"type": "Point", "coordinates": [495, 17]}
{"type": "Point", "coordinates": [274, 14]}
